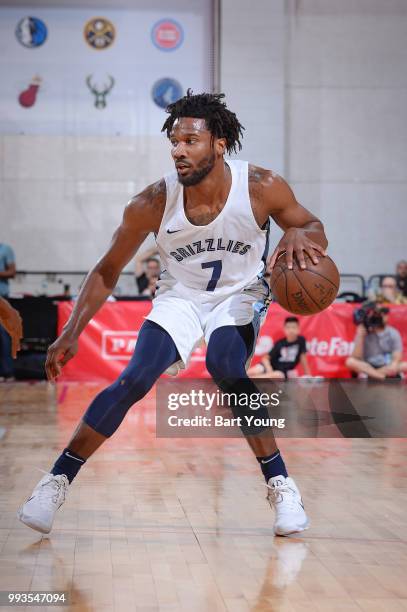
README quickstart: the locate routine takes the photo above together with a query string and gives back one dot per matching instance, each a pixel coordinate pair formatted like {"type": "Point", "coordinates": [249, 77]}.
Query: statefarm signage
{"type": "Point", "coordinates": [108, 342]}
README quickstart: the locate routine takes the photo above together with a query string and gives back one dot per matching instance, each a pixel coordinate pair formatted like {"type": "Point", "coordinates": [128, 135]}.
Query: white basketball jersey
{"type": "Point", "coordinates": [221, 257]}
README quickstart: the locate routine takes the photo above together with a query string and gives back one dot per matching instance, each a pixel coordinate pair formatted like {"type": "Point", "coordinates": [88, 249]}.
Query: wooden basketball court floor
{"type": "Point", "coordinates": [175, 524]}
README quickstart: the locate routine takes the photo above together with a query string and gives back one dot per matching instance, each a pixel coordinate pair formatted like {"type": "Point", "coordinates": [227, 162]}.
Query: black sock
{"type": "Point", "coordinates": [273, 465]}
{"type": "Point", "coordinates": [68, 463]}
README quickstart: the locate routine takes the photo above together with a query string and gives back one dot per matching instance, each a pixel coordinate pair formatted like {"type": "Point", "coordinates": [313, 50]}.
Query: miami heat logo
{"type": "Point", "coordinates": [99, 33]}
{"type": "Point", "coordinates": [28, 97]}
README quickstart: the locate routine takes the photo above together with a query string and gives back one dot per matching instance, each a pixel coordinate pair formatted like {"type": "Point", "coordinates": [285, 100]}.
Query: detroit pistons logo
{"type": "Point", "coordinates": [167, 35]}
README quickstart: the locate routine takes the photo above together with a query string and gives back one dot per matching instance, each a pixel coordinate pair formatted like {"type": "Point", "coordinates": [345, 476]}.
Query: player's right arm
{"type": "Point", "coordinates": [141, 216]}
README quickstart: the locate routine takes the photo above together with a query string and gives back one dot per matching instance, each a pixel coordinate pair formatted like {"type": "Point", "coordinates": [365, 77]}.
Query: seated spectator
{"type": "Point", "coordinates": [401, 277]}
{"type": "Point", "coordinates": [147, 269]}
{"type": "Point", "coordinates": [389, 293]}
{"type": "Point", "coordinates": [150, 290]}
{"type": "Point", "coordinates": [378, 348]}
{"type": "Point", "coordinates": [7, 271]}
{"type": "Point", "coordinates": [285, 355]}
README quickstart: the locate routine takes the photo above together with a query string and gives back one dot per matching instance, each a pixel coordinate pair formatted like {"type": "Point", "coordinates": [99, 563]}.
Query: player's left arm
{"type": "Point", "coordinates": [303, 232]}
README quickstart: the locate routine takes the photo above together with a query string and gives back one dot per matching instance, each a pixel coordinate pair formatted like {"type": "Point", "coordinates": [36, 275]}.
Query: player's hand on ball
{"type": "Point", "coordinates": [58, 355]}
{"type": "Point", "coordinates": [296, 242]}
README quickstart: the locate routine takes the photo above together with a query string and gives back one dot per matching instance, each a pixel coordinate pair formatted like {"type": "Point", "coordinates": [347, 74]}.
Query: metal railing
{"type": "Point", "coordinates": [65, 283]}
{"type": "Point", "coordinates": [352, 285]}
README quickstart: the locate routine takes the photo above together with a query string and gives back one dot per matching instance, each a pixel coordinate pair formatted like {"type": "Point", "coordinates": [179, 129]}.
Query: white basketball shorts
{"type": "Point", "coordinates": [190, 316]}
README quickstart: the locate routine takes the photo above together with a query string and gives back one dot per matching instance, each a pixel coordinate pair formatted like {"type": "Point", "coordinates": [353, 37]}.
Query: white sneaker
{"type": "Point", "coordinates": [285, 498]}
{"type": "Point", "coordinates": [39, 510]}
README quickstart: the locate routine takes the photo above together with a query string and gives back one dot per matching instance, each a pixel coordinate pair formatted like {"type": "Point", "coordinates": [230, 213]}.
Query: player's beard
{"type": "Point", "coordinates": [204, 167]}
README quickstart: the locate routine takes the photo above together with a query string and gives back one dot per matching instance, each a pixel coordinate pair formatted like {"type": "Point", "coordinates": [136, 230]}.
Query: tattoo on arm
{"type": "Point", "coordinates": [256, 178]}
{"type": "Point", "coordinates": [157, 193]}
{"type": "Point", "coordinates": [260, 180]}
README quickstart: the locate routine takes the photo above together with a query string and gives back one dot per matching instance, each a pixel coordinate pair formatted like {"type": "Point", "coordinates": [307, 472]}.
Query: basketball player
{"type": "Point", "coordinates": [210, 218]}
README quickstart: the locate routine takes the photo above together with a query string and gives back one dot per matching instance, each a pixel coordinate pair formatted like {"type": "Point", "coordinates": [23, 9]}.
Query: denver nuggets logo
{"type": "Point", "coordinates": [99, 33]}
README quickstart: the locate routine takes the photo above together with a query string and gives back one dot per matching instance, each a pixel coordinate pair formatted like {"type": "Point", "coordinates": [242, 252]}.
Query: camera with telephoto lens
{"type": "Point", "coordinates": [370, 315]}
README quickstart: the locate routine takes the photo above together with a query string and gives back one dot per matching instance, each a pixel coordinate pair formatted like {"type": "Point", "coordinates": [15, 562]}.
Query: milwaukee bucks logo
{"type": "Point", "coordinates": [100, 94]}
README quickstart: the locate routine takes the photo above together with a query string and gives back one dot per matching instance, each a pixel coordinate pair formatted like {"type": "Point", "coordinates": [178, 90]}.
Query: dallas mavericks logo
{"type": "Point", "coordinates": [31, 32]}
{"type": "Point", "coordinates": [166, 91]}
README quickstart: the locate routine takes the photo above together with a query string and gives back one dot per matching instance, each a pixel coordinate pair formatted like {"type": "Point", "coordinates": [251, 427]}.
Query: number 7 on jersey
{"type": "Point", "coordinates": [216, 265]}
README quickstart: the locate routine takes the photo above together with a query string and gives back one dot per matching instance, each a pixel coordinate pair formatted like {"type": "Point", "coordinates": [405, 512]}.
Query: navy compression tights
{"type": "Point", "coordinates": [155, 351]}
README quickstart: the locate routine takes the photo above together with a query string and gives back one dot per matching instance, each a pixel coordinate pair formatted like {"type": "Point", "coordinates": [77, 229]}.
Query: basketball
{"type": "Point", "coordinates": [308, 291]}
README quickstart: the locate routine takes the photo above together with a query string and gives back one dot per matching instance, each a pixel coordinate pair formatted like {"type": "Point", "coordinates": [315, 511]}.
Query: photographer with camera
{"type": "Point", "coordinates": [378, 347]}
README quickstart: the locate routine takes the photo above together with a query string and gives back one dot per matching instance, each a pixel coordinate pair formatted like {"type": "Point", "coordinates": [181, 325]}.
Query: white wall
{"type": "Point", "coordinates": [321, 87]}
{"type": "Point", "coordinates": [346, 102]}
{"type": "Point", "coordinates": [67, 169]}
{"type": "Point", "coordinates": [252, 77]}
{"type": "Point", "coordinates": [62, 197]}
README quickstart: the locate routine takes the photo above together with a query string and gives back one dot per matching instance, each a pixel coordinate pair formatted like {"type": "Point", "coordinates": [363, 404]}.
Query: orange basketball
{"type": "Point", "coordinates": [305, 292]}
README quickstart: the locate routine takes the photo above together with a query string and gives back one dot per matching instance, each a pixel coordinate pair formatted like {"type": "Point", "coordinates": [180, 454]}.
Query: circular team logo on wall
{"type": "Point", "coordinates": [166, 91]}
{"type": "Point", "coordinates": [99, 33]}
{"type": "Point", "coordinates": [31, 32]}
{"type": "Point", "coordinates": [167, 35]}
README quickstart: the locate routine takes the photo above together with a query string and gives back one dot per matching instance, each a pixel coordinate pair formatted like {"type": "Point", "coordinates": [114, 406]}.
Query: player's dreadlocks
{"type": "Point", "coordinates": [220, 121]}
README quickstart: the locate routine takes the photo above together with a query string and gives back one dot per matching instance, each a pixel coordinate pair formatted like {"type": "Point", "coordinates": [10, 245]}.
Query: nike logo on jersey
{"type": "Point", "coordinates": [172, 231]}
